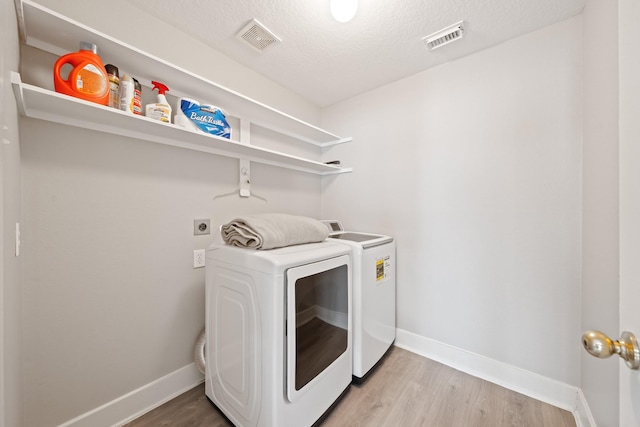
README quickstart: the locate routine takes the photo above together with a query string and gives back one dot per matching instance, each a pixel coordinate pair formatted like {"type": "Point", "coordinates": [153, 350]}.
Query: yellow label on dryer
{"type": "Point", "coordinates": [379, 270]}
{"type": "Point", "coordinates": [383, 267]}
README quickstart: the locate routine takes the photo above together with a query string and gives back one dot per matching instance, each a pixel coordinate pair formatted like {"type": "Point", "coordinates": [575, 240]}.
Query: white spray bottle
{"type": "Point", "coordinates": [161, 110]}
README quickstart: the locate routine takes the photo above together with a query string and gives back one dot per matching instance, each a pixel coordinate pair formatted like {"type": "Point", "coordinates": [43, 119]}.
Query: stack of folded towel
{"type": "Point", "coordinates": [273, 230]}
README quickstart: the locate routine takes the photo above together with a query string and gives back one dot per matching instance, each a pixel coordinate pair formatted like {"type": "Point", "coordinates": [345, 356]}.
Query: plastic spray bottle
{"type": "Point", "coordinates": [161, 110]}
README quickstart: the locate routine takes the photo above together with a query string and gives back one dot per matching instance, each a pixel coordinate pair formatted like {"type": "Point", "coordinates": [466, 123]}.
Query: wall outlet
{"type": "Point", "coordinates": [201, 226]}
{"type": "Point", "coordinates": [198, 258]}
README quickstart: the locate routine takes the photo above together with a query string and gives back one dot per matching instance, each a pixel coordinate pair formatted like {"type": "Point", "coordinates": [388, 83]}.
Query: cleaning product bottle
{"type": "Point", "coordinates": [87, 79]}
{"type": "Point", "coordinates": [126, 93]}
{"type": "Point", "coordinates": [137, 97]}
{"type": "Point", "coordinates": [161, 110]}
{"type": "Point", "coordinates": [114, 85]}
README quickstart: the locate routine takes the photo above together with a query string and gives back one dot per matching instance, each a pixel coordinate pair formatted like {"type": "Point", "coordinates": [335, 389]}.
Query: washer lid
{"type": "Point", "coordinates": [278, 260]}
{"type": "Point", "coordinates": [366, 240]}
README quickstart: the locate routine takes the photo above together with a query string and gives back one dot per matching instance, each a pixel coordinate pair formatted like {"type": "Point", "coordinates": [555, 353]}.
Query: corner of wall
{"type": "Point", "coordinates": [582, 413]}
{"type": "Point", "coordinates": [10, 214]}
{"type": "Point", "coordinates": [600, 204]}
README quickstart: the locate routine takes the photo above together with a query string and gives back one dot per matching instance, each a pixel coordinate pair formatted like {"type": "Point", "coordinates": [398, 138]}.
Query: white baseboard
{"type": "Point", "coordinates": [138, 402]}
{"type": "Point", "coordinates": [583, 415]}
{"type": "Point", "coordinates": [548, 390]}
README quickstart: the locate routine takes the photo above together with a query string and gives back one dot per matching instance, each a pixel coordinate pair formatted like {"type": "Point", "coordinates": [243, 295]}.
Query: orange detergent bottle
{"type": "Point", "coordinates": [87, 79]}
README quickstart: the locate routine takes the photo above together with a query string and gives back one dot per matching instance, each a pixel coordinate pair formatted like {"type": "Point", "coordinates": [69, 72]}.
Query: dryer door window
{"type": "Point", "coordinates": [318, 320]}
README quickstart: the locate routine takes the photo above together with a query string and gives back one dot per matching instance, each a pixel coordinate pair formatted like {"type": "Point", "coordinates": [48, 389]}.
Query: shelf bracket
{"type": "Point", "coordinates": [245, 163]}
{"type": "Point", "coordinates": [245, 178]}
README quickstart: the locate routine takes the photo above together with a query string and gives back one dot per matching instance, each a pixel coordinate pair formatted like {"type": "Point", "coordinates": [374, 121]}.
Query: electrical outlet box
{"type": "Point", "coordinates": [198, 258]}
{"type": "Point", "coordinates": [201, 226]}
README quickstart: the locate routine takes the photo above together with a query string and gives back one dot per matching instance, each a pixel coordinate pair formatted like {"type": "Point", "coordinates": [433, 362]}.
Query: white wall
{"type": "Point", "coordinates": [475, 167]}
{"type": "Point", "coordinates": [10, 276]}
{"type": "Point", "coordinates": [111, 301]}
{"type": "Point", "coordinates": [600, 203]}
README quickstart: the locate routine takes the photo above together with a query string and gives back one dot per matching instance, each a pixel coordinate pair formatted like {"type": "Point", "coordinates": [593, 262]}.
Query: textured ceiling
{"type": "Point", "coordinates": [326, 61]}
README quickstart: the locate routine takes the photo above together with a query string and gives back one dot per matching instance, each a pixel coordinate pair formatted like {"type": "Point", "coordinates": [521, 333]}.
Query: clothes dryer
{"type": "Point", "coordinates": [278, 326]}
{"type": "Point", "coordinates": [374, 295]}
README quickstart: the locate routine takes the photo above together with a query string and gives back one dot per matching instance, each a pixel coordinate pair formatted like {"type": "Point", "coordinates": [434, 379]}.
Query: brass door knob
{"type": "Point", "coordinates": [600, 345]}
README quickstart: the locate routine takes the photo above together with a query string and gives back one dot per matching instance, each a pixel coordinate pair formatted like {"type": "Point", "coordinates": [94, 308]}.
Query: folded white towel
{"type": "Point", "coordinates": [268, 231]}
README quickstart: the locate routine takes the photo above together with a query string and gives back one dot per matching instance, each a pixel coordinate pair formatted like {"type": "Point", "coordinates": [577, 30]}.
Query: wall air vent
{"type": "Point", "coordinates": [445, 36]}
{"type": "Point", "coordinates": [257, 36]}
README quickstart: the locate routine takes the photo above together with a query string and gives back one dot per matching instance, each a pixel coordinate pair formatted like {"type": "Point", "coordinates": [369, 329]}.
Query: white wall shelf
{"type": "Point", "coordinates": [52, 32]}
{"type": "Point", "coordinates": [44, 104]}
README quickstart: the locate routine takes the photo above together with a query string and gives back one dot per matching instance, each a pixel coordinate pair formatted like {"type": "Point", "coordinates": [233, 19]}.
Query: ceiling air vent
{"type": "Point", "coordinates": [444, 36]}
{"type": "Point", "coordinates": [258, 36]}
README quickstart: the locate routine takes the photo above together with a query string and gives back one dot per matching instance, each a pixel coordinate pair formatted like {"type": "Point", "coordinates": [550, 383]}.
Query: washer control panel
{"type": "Point", "coordinates": [333, 225]}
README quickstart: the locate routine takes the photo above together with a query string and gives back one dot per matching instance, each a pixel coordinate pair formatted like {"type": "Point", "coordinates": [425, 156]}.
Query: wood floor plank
{"type": "Point", "coordinates": [405, 390]}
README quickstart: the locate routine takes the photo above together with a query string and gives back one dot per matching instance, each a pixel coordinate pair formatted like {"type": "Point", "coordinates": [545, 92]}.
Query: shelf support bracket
{"type": "Point", "coordinates": [245, 178]}
{"type": "Point", "coordinates": [245, 163]}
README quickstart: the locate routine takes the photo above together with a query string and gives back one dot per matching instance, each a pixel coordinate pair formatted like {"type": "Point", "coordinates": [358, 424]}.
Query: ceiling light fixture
{"type": "Point", "coordinates": [343, 10]}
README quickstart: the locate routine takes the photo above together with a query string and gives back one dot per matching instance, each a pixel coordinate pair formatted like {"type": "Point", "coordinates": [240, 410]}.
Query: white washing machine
{"type": "Point", "coordinates": [374, 295]}
{"type": "Point", "coordinates": [278, 326]}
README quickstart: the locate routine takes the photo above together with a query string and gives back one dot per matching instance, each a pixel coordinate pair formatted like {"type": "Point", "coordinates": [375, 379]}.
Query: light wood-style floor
{"type": "Point", "coordinates": [406, 390]}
